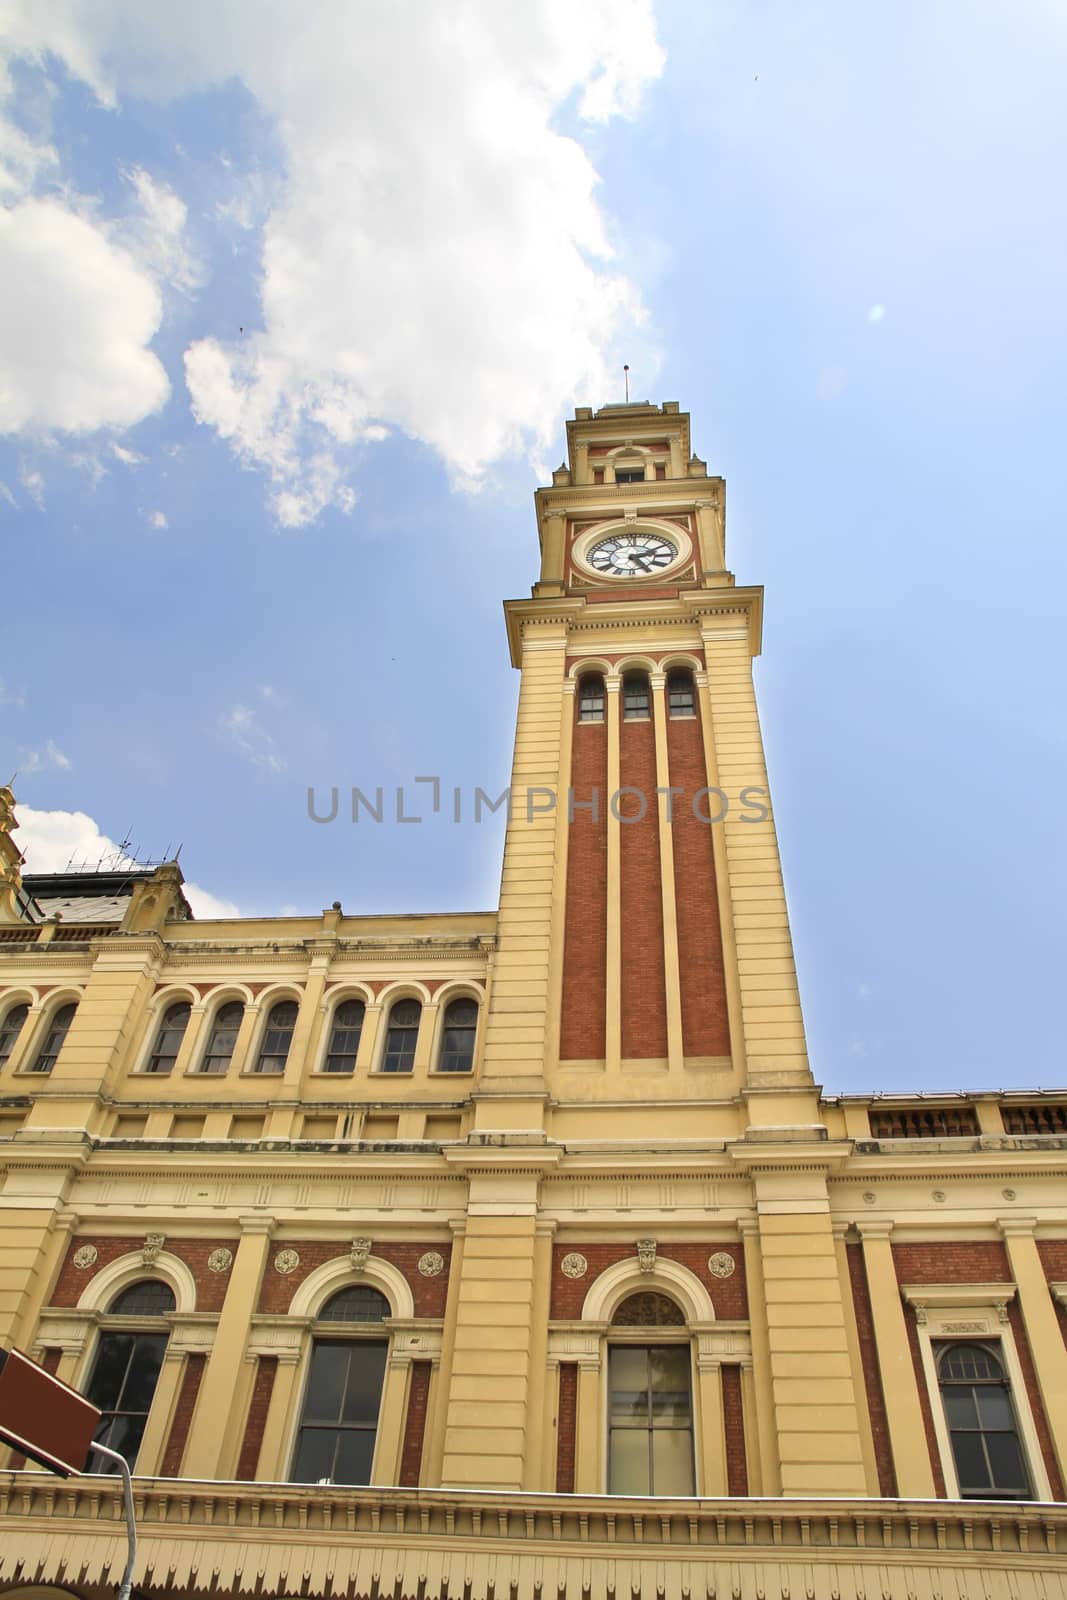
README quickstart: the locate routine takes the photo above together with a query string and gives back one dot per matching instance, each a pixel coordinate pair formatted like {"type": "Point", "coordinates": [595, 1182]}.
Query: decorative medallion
{"type": "Point", "coordinates": [219, 1260]}
{"type": "Point", "coordinates": [432, 1264]}
{"type": "Point", "coordinates": [358, 1254]}
{"type": "Point", "coordinates": [286, 1261]}
{"type": "Point", "coordinates": [646, 1255]}
{"type": "Point", "coordinates": [939, 1195]}
{"type": "Point", "coordinates": [152, 1248]}
{"type": "Point", "coordinates": [574, 1265]}
{"type": "Point", "coordinates": [869, 1198]}
{"type": "Point", "coordinates": [722, 1264]}
{"type": "Point", "coordinates": [85, 1255]}
{"type": "Point", "coordinates": [1009, 1194]}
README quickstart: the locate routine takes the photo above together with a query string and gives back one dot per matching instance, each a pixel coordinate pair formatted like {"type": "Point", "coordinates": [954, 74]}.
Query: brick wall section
{"type": "Point", "coordinates": [256, 1422]}
{"type": "Point", "coordinates": [277, 1289]}
{"type": "Point", "coordinates": [643, 999]}
{"type": "Point", "coordinates": [861, 1301]}
{"type": "Point", "coordinates": [50, 1362]}
{"type": "Point", "coordinates": [972, 1262]}
{"type": "Point", "coordinates": [210, 1286]}
{"type": "Point", "coordinates": [734, 1426]}
{"type": "Point", "coordinates": [171, 1465]}
{"type": "Point", "coordinates": [567, 1427]}
{"type": "Point", "coordinates": [585, 939]}
{"type": "Point", "coordinates": [728, 1295]}
{"type": "Point", "coordinates": [1053, 1254]}
{"type": "Point", "coordinates": [705, 1025]}
{"type": "Point", "coordinates": [415, 1425]}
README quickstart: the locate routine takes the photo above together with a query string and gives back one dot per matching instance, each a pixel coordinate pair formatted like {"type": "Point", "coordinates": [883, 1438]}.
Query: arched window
{"type": "Point", "coordinates": [358, 1303]}
{"type": "Point", "coordinates": [53, 1041]}
{"type": "Point", "coordinates": [339, 1422]}
{"type": "Point", "coordinates": [277, 1037]}
{"type": "Point", "coordinates": [126, 1370]}
{"type": "Point", "coordinates": [402, 1036]}
{"type": "Point", "coordinates": [222, 1040]}
{"type": "Point", "coordinates": [10, 1029]}
{"type": "Point", "coordinates": [981, 1424]}
{"type": "Point", "coordinates": [172, 1028]}
{"type": "Point", "coordinates": [635, 697]}
{"type": "Point", "coordinates": [457, 1038]}
{"type": "Point", "coordinates": [681, 695]}
{"type": "Point", "coordinates": [650, 1406]}
{"type": "Point", "coordinates": [591, 697]}
{"type": "Point", "coordinates": [344, 1037]}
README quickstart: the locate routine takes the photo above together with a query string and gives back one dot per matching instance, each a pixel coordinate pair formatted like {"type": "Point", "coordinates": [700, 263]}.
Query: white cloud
{"type": "Point", "coordinates": [50, 840]}
{"type": "Point", "coordinates": [49, 758]}
{"type": "Point", "coordinates": [157, 519]}
{"type": "Point", "coordinates": [11, 697]}
{"type": "Point", "coordinates": [5, 494]}
{"type": "Point", "coordinates": [76, 316]}
{"type": "Point", "coordinates": [129, 458]}
{"type": "Point", "coordinates": [242, 730]}
{"type": "Point", "coordinates": [33, 483]}
{"type": "Point", "coordinates": [155, 232]}
{"type": "Point", "coordinates": [437, 258]}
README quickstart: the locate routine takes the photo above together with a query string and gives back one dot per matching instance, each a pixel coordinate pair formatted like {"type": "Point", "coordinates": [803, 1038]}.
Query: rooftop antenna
{"type": "Point", "coordinates": [626, 381]}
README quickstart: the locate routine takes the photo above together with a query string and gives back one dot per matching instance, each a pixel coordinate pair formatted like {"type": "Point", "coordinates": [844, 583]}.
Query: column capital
{"type": "Point", "coordinates": [874, 1228]}
{"type": "Point", "coordinates": [1017, 1227]}
{"type": "Point", "coordinates": [257, 1225]}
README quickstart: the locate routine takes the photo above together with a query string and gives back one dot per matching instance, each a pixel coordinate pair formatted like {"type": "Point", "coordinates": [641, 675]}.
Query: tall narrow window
{"type": "Point", "coordinates": [457, 1039]}
{"type": "Point", "coordinates": [126, 1370]}
{"type": "Point", "coordinates": [10, 1029]}
{"type": "Point", "coordinates": [635, 697]}
{"type": "Point", "coordinates": [277, 1037]}
{"type": "Point", "coordinates": [981, 1423]}
{"type": "Point", "coordinates": [681, 696]}
{"type": "Point", "coordinates": [650, 1420]}
{"type": "Point", "coordinates": [339, 1424]}
{"type": "Point", "coordinates": [53, 1040]}
{"type": "Point", "coordinates": [591, 698]}
{"type": "Point", "coordinates": [223, 1038]}
{"type": "Point", "coordinates": [344, 1037]}
{"type": "Point", "coordinates": [402, 1036]}
{"type": "Point", "coordinates": [169, 1038]}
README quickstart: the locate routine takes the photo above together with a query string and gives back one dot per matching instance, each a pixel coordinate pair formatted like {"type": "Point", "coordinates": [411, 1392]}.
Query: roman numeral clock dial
{"type": "Point", "coordinates": [631, 555]}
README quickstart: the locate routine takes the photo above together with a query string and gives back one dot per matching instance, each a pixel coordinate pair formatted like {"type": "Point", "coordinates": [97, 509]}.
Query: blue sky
{"type": "Point", "coordinates": [292, 322]}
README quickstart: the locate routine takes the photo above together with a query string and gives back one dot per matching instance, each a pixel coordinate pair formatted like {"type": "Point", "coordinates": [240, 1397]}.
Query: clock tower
{"type": "Point", "coordinates": [643, 1011]}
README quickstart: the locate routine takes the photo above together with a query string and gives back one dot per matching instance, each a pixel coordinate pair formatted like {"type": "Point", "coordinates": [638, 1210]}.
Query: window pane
{"type": "Point", "coordinates": [970, 1462]}
{"type": "Point", "coordinates": [1006, 1462]}
{"type": "Point", "coordinates": [628, 1384]}
{"type": "Point", "coordinates": [109, 1370]}
{"type": "Point", "coordinates": [326, 1383]}
{"type": "Point", "coordinates": [672, 1461]}
{"type": "Point", "coordinates": [143, 1372]}
{"type": "Point", "coordinates": [314, 1455]}
{"type": "Point", "coordinates": [994, 1407]}
{"type": "Point", "coordinates": [670, 1384]}
{"type": "Point", "coordinates": [960, 1408]}
{"type": "Point", "coordinates": [355, 1455]}
{"type": "Point", "coordinates": [969, 1361]}
{"type": "Point", "coordinates": [148, 1299]}
{"type": "Point", "coordinates": [11, 1030]}
{"type": "Point", "coordinates": [628, 1468]}
{"type": "Point", "coordinates": [366, 1371]}
{"type": "Point", "coordinates": [124, 1434]}
{"type": "Point", "coordinates": [359, 1303]}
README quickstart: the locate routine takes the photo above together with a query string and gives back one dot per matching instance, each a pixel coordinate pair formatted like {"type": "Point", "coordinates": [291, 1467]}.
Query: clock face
{"type": "Point", "coordinates": [631, 555]}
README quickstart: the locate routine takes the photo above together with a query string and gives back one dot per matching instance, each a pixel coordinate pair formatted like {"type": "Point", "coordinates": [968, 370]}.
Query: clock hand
{"type": "Point", "coordinates": [640, 560]}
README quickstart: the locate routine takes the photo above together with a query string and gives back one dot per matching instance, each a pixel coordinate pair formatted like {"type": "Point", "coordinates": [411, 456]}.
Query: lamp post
{"type": "Point", "coordinates": [54, 1425]}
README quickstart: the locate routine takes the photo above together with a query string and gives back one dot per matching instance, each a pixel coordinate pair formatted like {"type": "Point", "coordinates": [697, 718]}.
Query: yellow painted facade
{"type": "Point", "coordinates": [537, 1200]}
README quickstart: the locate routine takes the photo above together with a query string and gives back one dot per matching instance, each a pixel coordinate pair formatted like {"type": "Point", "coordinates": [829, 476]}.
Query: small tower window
{"type": "Point", "coordinates": [635, 697]}
{"type": "Point", "coordinates": [402, 1036]}
{"type": "Point", "coordinates": [10, 1030]}
{"type": "Point", "coordinates": [169, 1038]}
{"type": "Point", "coordinates": [278, 1036]}
{"type": "Point", "coordinates": [53, 1044]}
{"type": "Point", "coordinates": [223, 1040]}
{"type": "Point", "coordinates": [344, 1037]}
{"type": "Point", "coordinates": [629, 474]}
{"type": "Point", "coordinates": [591, 698]}
{"type": "Point", "coordinates": [681, 696]}
{"type": "Point", "coordinates": [457, 1041]}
